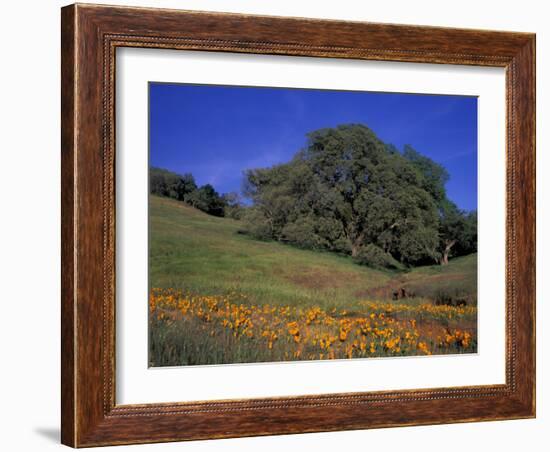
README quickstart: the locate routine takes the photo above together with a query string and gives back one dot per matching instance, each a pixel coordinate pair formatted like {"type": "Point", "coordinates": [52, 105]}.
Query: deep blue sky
{"type": "Point", "coordinates": [215, 132]}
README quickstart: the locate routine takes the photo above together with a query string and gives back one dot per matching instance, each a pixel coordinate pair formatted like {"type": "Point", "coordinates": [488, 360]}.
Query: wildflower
{"type": "Point", "coordinates": [424, 348]}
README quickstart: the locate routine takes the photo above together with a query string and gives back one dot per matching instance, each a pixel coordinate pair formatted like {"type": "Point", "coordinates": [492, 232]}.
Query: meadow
{"type": "Point", "coordinates": [219, 296]}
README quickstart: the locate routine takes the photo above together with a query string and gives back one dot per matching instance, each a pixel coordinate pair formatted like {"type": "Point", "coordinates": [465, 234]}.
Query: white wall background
{"type": "Point", "coordinates": [30, 225]}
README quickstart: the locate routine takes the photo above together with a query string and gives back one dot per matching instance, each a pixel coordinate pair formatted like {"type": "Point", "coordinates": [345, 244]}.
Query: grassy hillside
{"type": "Point", "coordinates": [193, 251]}
{"type": "Point", "coordinates": [220, 297]}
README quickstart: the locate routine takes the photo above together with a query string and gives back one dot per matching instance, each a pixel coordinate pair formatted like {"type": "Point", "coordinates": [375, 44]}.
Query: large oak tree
{"type": "Point", "coordinates": [349, 192]}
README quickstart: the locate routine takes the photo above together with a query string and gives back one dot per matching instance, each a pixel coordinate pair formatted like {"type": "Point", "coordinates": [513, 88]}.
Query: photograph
{"type": "Point", "coordinates": [276, 226]}
{"type": "Point", "coordinates": [294, 224]}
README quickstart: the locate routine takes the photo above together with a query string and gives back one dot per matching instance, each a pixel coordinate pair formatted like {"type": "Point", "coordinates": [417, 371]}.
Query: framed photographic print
{"type": "Point", "coordinates": [280, 225]}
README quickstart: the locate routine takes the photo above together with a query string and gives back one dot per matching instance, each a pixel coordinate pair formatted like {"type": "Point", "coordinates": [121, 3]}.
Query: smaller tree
{"type": "Point", "coordinates": [157, 182]}
{"type": "Point", "coordinates": [166, 183]}
{"type": "Point", "coordinates": [185, 186]}
{"type": "Point", "coordinates": [457, 232]}
{"type": "Point", "coordinates": [207, 199]}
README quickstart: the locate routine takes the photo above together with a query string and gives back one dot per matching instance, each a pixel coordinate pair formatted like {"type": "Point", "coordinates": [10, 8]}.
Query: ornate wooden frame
{"type": "Point", "coordinates": [90, 35]}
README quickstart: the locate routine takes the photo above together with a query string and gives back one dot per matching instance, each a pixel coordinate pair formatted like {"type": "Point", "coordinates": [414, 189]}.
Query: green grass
{"type": "Point", "coordinates": [206, 255]}
{"type": "Point", "coordinates": [457, 280]}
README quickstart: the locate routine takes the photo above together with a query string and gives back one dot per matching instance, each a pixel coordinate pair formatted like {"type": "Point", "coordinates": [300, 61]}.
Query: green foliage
{"type": "Point", "coordinates": [302, 233]}
{"type": "Point", "coordinates": [458, 232]}
{"type": "Point", "coordinates": [347, 190]}
{"type": "Point", "coordinates": [457, 228]}
{"type": "Point", "coordinates": [373, 256]}
{"type": "Point", "coordinates": [257, 224]}
{"type": "Point", "coordinates": [233, 206]}
{"type": "Point", "coordinates": [166, 183]}
{"type": "Point", "coordinates": [207, 199]}
{"type": "Point", "coordinates": [184, 188]}
{"type": "Point", "coordinates": [434, 176]}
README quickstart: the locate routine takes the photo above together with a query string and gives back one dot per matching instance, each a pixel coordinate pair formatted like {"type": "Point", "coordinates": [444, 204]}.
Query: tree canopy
{"type": "Point", "coordinates": [184, 188]}
{"type": "Point", "coordinates": [166, 183]}
{"type": "Point", "coordinates": [349, 192]}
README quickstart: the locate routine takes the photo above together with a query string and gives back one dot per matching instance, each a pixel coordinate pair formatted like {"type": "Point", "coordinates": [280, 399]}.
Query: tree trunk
{"type": "Point", "coordinates": [356, 244]}
{"type": "Point", "coordinates": [445, 258]}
